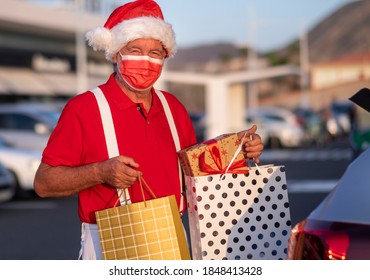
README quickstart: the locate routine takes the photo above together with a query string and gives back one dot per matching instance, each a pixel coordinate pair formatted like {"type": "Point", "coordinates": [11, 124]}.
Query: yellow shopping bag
{"type": "Point", "coordinates": [148, 230]}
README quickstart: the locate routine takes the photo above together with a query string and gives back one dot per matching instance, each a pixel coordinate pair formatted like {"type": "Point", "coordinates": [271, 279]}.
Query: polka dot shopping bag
{"type": "Point", "coordinates": [235, 212]}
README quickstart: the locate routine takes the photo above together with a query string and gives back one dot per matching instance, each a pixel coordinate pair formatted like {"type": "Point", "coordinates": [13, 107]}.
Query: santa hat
{"type": "Point", "coordinates": [134, 20]}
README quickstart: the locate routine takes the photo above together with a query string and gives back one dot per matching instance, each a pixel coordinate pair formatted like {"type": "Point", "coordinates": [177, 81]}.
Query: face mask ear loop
{"type": "Point", "coordinates": [118, 70]}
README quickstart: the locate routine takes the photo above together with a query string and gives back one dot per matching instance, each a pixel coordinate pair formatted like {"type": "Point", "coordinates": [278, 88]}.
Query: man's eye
{"type": "Point", "coordinates": [135, 51]}
{"type": "Point", "coordinates": [156, 54]}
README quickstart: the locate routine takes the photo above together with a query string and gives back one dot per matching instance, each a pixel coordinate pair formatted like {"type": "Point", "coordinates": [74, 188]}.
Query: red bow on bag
{"type": "Point", "coordinates": [214, 151]}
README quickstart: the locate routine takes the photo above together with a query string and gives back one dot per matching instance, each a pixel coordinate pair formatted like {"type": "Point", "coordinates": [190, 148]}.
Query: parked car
{"type": "Point", "coordinates": [313, 124]}
{"type": "Point", "coordinates": [7, 184]}
{"type": "Point", "coordinates": [341, 118]}
{"type": "Point", "coordinates": [282, 128]}
{"type": "Point", "coordinates": [200, 125]}
{"type": "Point", "coordinates": [339, 228]}
{"type": "Point", "coordinates": [28, 125]}
{"type": "Point", "coordinates": [22, 165]}
{"type": "Point", "coordinates": [198, 121]}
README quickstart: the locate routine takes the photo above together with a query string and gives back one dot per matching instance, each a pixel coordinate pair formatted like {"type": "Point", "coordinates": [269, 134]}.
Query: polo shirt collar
{"type": "Point", "coordinates": [117, 97]}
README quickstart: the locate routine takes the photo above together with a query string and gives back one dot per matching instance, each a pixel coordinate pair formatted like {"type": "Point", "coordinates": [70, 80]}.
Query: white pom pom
{"type": "Point", "coordinates": [100, 38]}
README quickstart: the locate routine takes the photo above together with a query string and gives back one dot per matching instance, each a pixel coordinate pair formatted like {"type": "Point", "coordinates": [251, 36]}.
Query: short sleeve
{"type": "Point", "coordinates": [65, 145]}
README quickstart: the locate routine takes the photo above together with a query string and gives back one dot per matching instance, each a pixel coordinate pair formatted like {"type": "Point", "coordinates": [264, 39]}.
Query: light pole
{"type": "Point", "coordinates": [81, 54]}
{"type": "Point", "coordinates": [252, 57]}
{"type": "Point", "coordinates": [304, 66]}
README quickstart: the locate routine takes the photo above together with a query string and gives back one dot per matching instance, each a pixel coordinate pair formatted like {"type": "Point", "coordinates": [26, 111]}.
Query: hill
{"type": "Point", "coordinates": [194, 58]}
{"type": "Point", "coordinates": [344, 32]}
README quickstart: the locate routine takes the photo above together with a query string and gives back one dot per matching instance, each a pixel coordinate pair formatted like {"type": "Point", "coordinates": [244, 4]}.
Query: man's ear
{"type": "Point", "coordinates": [114, 59]}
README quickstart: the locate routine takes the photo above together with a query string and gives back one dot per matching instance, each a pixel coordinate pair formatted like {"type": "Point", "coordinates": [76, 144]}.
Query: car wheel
{"type": "Point", "coordinates": [13, 187]}
{"type": "Point", "coordinates": [274, 143]}
{"type": "Point", "coordinates": [19, 192]}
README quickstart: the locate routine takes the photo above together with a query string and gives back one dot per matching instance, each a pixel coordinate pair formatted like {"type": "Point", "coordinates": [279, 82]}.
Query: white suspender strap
{"type": "Point", "coordinates": [175, 137]}
{"type": "Point", "coordinates": [170, 120]}
{"type": "Point", "coordinates": [109, 132]}
{"type": "Point", "coordinates": [106, 117]}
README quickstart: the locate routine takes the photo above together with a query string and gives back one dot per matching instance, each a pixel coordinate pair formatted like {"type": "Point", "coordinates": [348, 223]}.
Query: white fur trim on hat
{"type": "Point", "coordinates": [100, 38]}
{"type": "Point", "coordinates": [111, 41]}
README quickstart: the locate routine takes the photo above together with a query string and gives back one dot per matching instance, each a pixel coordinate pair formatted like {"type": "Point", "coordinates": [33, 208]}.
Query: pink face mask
{"type": "Point", "coordinates": [140, 71]}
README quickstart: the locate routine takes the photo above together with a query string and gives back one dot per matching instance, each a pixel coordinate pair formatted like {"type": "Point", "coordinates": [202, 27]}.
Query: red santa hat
{"type": "Point", "coordinates": [134, 20]}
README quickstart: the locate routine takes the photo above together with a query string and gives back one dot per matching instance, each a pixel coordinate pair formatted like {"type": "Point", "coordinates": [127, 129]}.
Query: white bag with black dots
{"type": "Point", "coordinates": [239, 216]}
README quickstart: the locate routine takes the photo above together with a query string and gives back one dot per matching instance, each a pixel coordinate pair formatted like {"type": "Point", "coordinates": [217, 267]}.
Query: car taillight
{"type": "Point", "coordinates": [337, 245]}
{"type": "Point", "coordinates": [317, 240]}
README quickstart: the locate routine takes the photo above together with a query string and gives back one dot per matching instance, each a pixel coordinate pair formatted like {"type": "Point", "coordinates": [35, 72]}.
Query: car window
{"type": "Point", "coordinates": [273, 117]}
{"type": "Point", "coordinates": [17, 121]}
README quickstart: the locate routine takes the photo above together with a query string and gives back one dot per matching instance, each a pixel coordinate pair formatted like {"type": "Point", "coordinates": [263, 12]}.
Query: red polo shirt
{"type": "Point", "coordinates": [78, 139]}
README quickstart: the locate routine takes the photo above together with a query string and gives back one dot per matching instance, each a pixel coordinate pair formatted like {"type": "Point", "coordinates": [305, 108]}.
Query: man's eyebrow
{"type": "Point", "coordinates": [132, 47]}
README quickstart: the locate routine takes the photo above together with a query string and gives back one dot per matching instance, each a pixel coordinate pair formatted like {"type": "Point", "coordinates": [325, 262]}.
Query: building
{"type": "Point", "coordinates": [43, 53]}
{"type": "Point", "coordinates": [344, 70]}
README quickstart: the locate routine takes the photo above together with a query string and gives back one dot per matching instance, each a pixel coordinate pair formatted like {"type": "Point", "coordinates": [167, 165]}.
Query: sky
{"type": "Point", "coordinates": [264, 24]}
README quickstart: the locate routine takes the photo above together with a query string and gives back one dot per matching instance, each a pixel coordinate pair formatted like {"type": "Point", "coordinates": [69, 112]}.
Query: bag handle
{"type": "Point", "coordinates": [236, 154]}
{"type": "Point", "coordinates": [142, 183]}
{"type": "Point", "coordinates": [251, 159]}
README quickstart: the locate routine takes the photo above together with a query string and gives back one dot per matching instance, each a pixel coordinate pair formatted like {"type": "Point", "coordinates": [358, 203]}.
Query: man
{"type": "Point", "coordinates": [137, 40]}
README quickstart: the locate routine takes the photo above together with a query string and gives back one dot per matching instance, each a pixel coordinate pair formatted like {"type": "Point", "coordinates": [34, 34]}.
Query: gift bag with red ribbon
{"type": "Point", "coordinates": [235, 211]}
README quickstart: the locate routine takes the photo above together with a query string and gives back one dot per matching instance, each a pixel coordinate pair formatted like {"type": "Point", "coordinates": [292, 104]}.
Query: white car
{"type": "Point", "coordinates": [28, 125]}
{"type": "Point", "coordinates": [280, 126]}
{"type": "Point", "coordinates": [22, 164]}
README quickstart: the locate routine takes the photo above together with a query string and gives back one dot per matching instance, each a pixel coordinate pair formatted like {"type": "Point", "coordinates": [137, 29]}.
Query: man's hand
{"type": "Point", "coordinates": [252, 144]}
{"type": "Point", "coordinates": [119, 172]}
